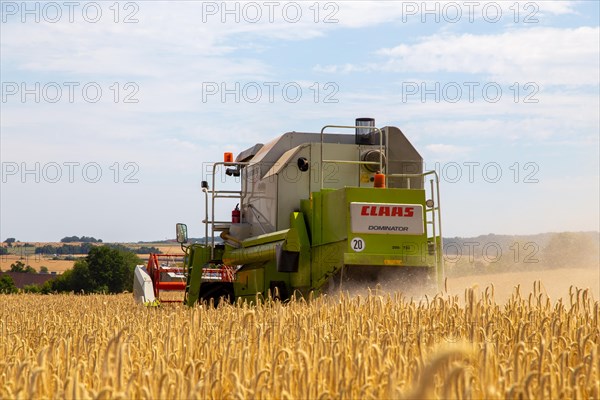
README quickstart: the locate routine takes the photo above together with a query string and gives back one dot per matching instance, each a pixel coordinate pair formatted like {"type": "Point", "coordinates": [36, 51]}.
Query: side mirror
{"type": "Point", "coordinates": [181, 230]}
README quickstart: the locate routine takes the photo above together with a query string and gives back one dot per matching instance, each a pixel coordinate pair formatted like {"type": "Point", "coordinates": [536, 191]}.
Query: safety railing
{"type": "Point", "coordinates": [434, 212]}
{"type": "Point", "coordinates": [381, 147]}
{"type": "Point", "coordinates": [215, 194]}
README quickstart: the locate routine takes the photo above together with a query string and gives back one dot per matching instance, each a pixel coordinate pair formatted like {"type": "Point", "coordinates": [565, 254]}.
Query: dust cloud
{"type": "Point", "coordinates": [555, 283]}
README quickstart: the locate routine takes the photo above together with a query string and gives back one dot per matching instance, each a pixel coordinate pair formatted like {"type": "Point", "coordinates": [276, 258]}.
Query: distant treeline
{"type": "Point", "coordinates": [141, 250]}
{"type": "Point", "coordinates": [190, 240]}
{"type": "Point", "coordinates": [83, 239]}
{"type": "Point", "coordinates": [84, 248]}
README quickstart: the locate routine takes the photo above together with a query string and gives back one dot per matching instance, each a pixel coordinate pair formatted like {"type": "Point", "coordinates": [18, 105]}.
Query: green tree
{"type": "Point", "coordinates": [19, 266]}
{"type": "Point", "coordinates": [7, 285]}
{"type": "Point", "coordinates": [81, 279]}
{"type": "Point", "coordinates": [10, 241]}
{"type": "Point", "coordinates": [104, 269]}
{"type": "Point", "coordinates": [111, 269]}
{"type": "Point", "coordinates": [84, 239]}
{"type": "Point", "coordinates": [31, 288]}
{"type": "Point", "coordinates": [46, 287]}
{"type": "Point", "coordinates": [63, 282]}
{"type": "Point", "coordinates": [43, 269]}
{"type": "Point", "coordinates": [70, 239]}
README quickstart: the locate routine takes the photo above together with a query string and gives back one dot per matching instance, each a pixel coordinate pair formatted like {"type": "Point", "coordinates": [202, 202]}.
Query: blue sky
{"type": "Point", "coordinates": [420, 66]}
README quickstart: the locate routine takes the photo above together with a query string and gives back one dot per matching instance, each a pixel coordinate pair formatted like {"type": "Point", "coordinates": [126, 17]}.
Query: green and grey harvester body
{"type": "Point", "coordinates": [316, 211]}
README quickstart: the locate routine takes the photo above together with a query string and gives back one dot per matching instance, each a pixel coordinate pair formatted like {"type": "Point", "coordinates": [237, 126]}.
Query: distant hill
{"type": "Point", "coordinates": [505, 240]}
{"type": "Point", "coordinates": [508, 253]}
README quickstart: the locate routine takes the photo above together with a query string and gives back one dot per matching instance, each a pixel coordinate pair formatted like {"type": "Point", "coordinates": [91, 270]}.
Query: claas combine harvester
{"type": "Point", "coordinates": [315, 211]}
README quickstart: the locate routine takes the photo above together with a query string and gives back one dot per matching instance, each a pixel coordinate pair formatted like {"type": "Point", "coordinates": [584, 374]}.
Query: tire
{"type": "Point", "coordinates": [216, 293]}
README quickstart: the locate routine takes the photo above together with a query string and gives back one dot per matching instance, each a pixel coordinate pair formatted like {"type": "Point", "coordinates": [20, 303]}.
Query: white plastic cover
{"type": "Point", "coordinates": [143, 290]}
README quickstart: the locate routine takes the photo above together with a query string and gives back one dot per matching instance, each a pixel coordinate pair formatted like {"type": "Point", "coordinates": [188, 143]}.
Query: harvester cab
{"type": "Point", "coordinates": [316, 211]}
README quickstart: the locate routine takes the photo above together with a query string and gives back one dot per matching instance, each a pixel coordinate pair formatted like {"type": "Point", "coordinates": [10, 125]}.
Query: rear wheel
{"type": "Point", "coordinates": [279, 290]}
{"type": "Point", "coordinates": [216, 292]}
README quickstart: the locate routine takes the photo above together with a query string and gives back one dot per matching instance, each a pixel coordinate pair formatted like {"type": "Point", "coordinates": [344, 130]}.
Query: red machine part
{"type": "Point", "coordinates": [215, 273]}
{"type": "Point", "coordinates": [236, 215]}
{"type": "Point", "coordinates": [155, 270]}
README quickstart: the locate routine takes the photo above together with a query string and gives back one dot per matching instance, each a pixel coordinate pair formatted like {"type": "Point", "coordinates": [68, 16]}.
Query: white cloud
{"type": "Point", "coordinates": [443, 151]}
{"type": "Point", "coordinates": [182, 31]}
{"type": "Point", "coordinates": [345, 68]}
{"type": "Point", "coordinates": [556, 7]}
{"type": "Point", "coordinates": [550, 56]}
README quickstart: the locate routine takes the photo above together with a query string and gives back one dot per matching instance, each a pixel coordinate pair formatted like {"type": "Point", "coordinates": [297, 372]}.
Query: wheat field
{"type": "Point", "coordinates": [369, 347]}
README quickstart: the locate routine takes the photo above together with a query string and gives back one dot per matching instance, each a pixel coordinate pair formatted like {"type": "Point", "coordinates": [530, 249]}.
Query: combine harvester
{"type": "Point", "coordinates": [315, 210]}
